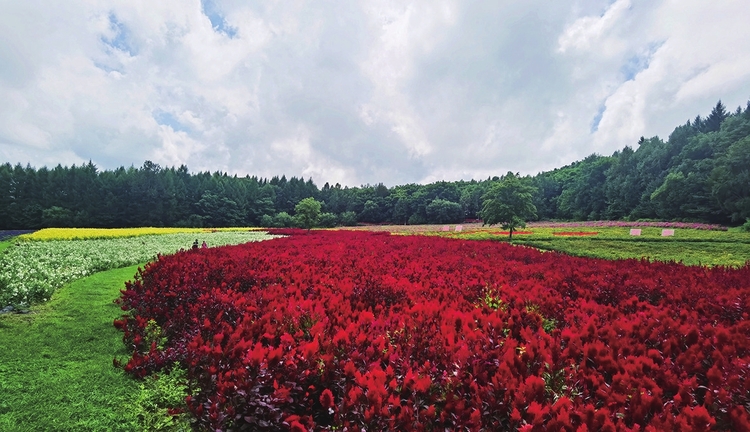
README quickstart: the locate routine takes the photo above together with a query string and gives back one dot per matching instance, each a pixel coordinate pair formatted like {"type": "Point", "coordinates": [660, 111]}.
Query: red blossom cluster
{"type": "Point", "coordinates": [355, 331]}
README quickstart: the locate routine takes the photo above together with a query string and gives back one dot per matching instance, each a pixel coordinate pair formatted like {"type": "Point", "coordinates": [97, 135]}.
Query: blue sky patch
{"type": "Point", "coordinates": [597, 118]}
{"type": "Point", "coordinates": [211, 10]}
{"type": "Point", "coordinates": [639, 62]}
{"type": "Point", "coordinates": [107, 68]}
{"type": "Point", "coordinates": [167, 119]}
{"type": "Point", "coordinates": [121, 40]}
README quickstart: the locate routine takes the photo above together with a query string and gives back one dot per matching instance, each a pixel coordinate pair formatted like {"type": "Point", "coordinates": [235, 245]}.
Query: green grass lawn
{"type": "Point", "coordinates": [4, 245]}
{"type": "Point", "coordinates": [710, 253]}
{"type": "Point", "coordinates": [689, 246]}
{"type": "Point", "coordinates": [56, 371]}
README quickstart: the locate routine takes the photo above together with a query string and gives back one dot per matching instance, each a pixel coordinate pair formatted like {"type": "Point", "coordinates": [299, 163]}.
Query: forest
{"type": "Point", "coordinates": [700, 173]}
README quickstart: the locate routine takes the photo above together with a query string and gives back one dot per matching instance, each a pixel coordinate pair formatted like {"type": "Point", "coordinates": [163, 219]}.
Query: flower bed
{"type": "Point", "coordinates": [625, 224]}
{"type": "Point", "coordinates": [505, 233]}
{"type": "Point", "coordinates": [32, 270]}
{"type": "Point", "coordinates": [492, 232]}
{"type": "Point", "coordinates": [366, 331]}
{"type": "Point", "coordinates": [575, 233]}
{"type": "Point", "coordinates": [47, 234]}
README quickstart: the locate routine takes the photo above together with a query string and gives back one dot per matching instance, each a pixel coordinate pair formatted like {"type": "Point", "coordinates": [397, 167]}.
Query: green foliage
{"type": "Point", "coordinates": [444, 211]}
{"type": "Point", "coordinates": [328, 220]}
{"type": "Point", "coordinates": [193, 221]}
{"type": "Point", "coordinates": [493, 300]}
{"type": "Point", "coordinates": [746, 226]}
{"type": "Point", "coordinates": [348, 218]}
{"type": "Point", "coordinates": [548, 324]}
{"type": "Point", "coordinates": [220, 211]}
{"type": "Point", "coordinates": [160, 404]}
{"type": "Point", "coordinates": [307, 212]}
{"type": "Point", "coordinates": [416, 219]}
{"type": "Point", "coordinates": [555, 383]}
{"type": "Point", "coordinates": [508, 202]}
{"type": "Point", "coordinates": [57, 217]}
{"type": "Point", "coordinates": [371, 212]}
{"type": "Point", "coordinates": [730, 179]}
{"type": "Point", "coordinates": [153, 334]}
{"type": "Point", "coordinates": [282, 220]}
{"type": "Point", "coordinates": [583, 197]}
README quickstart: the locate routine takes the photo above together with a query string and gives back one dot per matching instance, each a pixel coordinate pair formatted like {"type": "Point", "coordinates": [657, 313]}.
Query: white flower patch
{"type": "Point", "coordinates": [31, 271]}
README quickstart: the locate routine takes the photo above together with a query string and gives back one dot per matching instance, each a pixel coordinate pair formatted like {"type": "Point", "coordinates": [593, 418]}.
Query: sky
{"type": "Point", "coordinates": [359, 92]}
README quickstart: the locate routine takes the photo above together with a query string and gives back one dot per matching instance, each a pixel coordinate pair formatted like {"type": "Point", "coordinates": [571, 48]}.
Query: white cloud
{"type": "Point", "coordinates": [359, 92]}
{"type": "Point", "coordinates": [589, 31]}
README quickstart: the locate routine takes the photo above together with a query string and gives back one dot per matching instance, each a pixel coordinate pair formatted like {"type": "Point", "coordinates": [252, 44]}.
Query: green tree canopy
{"type": "Point", "coordinates": [444, 211]}
{"type": "Point", "coordinates": [307, 211]}
{"type": "Point", "coordinates": [509, 203]}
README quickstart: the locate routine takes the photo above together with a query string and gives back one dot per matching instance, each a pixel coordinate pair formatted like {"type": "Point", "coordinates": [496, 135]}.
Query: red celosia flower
{"type": "Point", "coordinates": [326, 399]}
{"type": "Point", "coordinates": [422, 384]}
{"type": "Point", "coordinates": [297, 427]}
{"type": "Point", "coordinates": [401, 325]}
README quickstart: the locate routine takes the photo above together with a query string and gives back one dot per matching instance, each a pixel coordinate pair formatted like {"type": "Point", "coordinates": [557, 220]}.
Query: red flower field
{"type": "Point", "coordinates": [367, 331]}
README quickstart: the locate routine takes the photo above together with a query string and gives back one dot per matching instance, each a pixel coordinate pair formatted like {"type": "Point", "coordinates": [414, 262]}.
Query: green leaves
{"type": "Point", "coordinates": [160, 405]}
{"type": "Point", "coordinates": [307, 212]}
{"type": "Point", "coordinates": [509, 203]}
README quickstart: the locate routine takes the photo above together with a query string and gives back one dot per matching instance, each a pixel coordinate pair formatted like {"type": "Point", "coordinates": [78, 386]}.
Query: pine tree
{"type": "Point", "coordinates": [717, 116]}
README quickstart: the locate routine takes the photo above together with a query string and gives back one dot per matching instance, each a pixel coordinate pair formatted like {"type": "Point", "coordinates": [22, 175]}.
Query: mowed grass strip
{"type": "Point", "coordinates": [56, 371]}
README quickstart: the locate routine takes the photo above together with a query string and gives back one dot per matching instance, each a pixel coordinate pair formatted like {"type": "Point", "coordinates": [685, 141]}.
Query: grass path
{"type": "Point", "coordinates": [56, 370]}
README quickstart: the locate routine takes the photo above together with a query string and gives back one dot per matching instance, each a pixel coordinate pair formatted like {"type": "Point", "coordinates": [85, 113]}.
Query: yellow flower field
{"type": "Point", "coordinates": [105, 233]}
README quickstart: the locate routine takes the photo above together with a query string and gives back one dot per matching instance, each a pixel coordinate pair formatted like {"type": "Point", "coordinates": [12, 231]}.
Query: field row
{"type": "Point", "coordinates": [106, 233]}
{"type": "Point", "coordinates": [30, 271]}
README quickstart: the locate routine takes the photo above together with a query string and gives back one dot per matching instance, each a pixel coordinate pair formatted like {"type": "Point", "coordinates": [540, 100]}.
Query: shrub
{"type": "Point", "coordinates": [328, 220]}
{"type": "Point", "coordinates": [160, 404]}
{"type": "Point", "coordinates": [348, 218]}
{"type": "Point", "coordinates": [283, 220]}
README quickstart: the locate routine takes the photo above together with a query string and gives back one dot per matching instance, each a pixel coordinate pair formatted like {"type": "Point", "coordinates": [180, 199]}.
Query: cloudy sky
{"type": "Point", "coordinates": [359, 92]}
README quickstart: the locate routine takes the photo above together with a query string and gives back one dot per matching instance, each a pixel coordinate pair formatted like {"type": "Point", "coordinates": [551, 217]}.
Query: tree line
{"type": "Point", "coordinates": [700, 173]}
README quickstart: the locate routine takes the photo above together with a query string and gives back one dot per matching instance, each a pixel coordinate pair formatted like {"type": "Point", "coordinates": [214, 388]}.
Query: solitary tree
{"type": "Point", "coordinates": [509, 203]}
{"type": "Point", "coordinates": [307, 212]}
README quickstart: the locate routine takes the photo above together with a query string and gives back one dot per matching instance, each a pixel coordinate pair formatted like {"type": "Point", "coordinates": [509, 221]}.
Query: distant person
{"type": "Point", "coordinates": [195, 244]}
{"type": "Point", "coordinates": [204, 245]}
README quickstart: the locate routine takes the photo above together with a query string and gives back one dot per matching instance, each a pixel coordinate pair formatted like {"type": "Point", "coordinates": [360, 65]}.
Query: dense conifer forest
{"type": "Point", "coordinates": [700, 173]}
